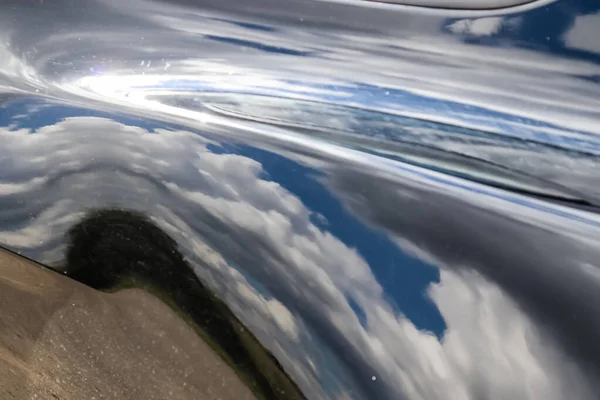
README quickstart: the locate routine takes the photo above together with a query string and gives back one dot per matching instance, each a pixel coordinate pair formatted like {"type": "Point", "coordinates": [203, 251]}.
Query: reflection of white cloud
{"type": "Point", "coordinates": [271, 307]}
{"type": "Point", "coordinates": [478, 27]}
{"type": "Point", "coordinates": [489, 347]}
{"type": "Point", "coordinates": [13, 188]}
{"type": "Point", "coordinates": [45, 226]}
{"type": "Point", "coordinates": [488, 337]}
{"type": "Point", "coordinates": [484, 26]}
{"type": "Point", "coordinates": [415, 251]}
{"type": "Point", "coordinates": [584, 33]}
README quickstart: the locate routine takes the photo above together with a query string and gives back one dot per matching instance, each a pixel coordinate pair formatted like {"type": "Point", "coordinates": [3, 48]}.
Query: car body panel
{"type": "Point", "coordinates": [396, 202]}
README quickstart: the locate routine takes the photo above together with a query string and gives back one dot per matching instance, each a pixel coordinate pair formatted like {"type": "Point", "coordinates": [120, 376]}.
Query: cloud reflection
{"type": "Point", "coordinates": [581, 35]}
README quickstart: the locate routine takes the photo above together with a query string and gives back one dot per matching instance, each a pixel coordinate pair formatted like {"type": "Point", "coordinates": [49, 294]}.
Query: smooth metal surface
{"type": "Point", "coordinates": [395, 202]}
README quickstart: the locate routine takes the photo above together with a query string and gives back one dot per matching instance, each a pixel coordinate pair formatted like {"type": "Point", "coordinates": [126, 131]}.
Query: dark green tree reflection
{"type": "Point", "coordinates": [113, 249]}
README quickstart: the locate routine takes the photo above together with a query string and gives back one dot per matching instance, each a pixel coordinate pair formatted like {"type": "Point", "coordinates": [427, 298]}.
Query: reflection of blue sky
{"type": "Point", "coordinates": [403, 278]}
{"type": "Point", "coordinates": [34, 114]}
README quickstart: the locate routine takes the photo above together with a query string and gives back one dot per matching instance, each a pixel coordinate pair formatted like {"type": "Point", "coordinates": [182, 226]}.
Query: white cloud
{"type": "Point", "coordinates": [271, 307]}
{"type": "Point", "coordinates": [583, 35]}
{"type": "Point", "coordinates": [478, 27]}
{"type": "Point", "coordinates": [489, 337]}
{"type": "Point", "coordinates": [487, 26]}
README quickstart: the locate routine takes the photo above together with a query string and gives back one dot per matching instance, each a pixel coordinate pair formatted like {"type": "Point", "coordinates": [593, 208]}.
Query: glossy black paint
{"type": "Point", "coordinates": [396, 202]}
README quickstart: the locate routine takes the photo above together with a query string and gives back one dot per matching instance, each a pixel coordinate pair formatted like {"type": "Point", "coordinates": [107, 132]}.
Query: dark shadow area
{"type": "Point", "coordinates": [113, 249]}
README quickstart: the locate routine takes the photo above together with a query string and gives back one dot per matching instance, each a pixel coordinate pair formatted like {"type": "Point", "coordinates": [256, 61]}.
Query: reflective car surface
{"type": "Point", "coordinates": [299, 199]}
